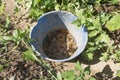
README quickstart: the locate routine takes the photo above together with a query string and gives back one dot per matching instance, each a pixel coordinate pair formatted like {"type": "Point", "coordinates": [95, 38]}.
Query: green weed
{"type": "Point", "coordinates": [78, 74]}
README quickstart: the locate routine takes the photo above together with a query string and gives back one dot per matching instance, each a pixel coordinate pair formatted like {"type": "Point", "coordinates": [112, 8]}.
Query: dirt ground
{"type": "Point", "coordinates": [101, 70]}
{"type": "Point", "coordinates": [15, 67]}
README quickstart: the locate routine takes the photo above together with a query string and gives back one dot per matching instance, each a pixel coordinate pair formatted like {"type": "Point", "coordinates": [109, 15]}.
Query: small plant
{"type": "Point", "coordinates": [19, 36]}
{"type": "Point", "coordinates": [38, 7]}
{"type": "Point", "coordinates": [114, 23]}
{"type": "Point", "coordinates": [116, 56]}
{"type": "Point", "coordinates": [71, 74]}
{"type": "Point", "coordinates": [29, 55]}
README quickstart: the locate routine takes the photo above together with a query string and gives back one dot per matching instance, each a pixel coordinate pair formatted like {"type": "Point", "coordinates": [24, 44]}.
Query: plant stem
{"type": "Point", "coordinates": [40, 62]}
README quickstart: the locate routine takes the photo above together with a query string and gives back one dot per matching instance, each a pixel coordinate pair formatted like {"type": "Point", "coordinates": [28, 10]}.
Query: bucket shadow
{"type": "Point", "coordinates": [105, 74]}
{"type": "Point", "coordinates": [83, 60]}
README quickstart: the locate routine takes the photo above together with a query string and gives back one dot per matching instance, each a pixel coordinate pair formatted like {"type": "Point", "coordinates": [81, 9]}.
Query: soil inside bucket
{"type": "Point", "coordinates": [59, 44]}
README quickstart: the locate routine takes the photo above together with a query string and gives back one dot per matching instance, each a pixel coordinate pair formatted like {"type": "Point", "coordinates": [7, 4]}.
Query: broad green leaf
{"type": "Point", "coordinates": [90, 56]}
{"type": "Point", "coordinates": [7, 38]}
{"type": "Point", "coordinates": [92, 49]}
{"type": "Point", "coordinates": [16, 34]}
{"type": "Point", "coordinates": [90, 20]}
{"type": "Point", "coordinates": [59, 76]}
{"type": "Point", "coordinates": [114, 23]}
{"type": "Point", "coordinates": [93, 33]}
{"type": "Point", "coordinates": [91, 28]}
{"type": "Point", "coordinates": [68, 75]}
{"type": "Point", "coordinates": [92, 78]}
{"type": "Point", "coordinates": [91, 43]}
{"type": "Point", "coordinates": [29, 55]}
{"type": "Point", "coordinates": [103, 38]}
{"type": "Point", "coordinates": [118, 73]}
{"type": "Point", "coordinates": [78, 66]}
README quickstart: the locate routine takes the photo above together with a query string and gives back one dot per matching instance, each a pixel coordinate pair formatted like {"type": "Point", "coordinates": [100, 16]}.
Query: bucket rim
{"type": "Point", "coordinates": [58, 60]}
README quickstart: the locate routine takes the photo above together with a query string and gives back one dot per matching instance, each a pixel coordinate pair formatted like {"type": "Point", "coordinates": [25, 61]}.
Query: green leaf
{"type": "Point", "coordinates": [36, 2]}
{"type": "Point", "coordinates": [103, 38]}
{"type": "Point", "coordinates": [29, 55]}
{"type": "Point", "coordinates": [1, 68]}
{"type": "Point", "coordinates": [92, 48]}
{"type": "Point", "coordinates": [91, 28]}
{"type": "Point", "coordinates": [114, 1]}
{"type": "Point", "coordinates": [118, 73]}
{"type": "Point", "coordinates": [90, 56]}
{"type": "Point", "coordinates": [7, 22]}
{"type": "Point", "coordinates": [7, 38]}
{"type": "Point", "coordinates": [68, 75]}
{"type": "Point", "coordinates": [57, 7]}
{"type": "Point", "coordinates": [6, 65]}
{"type": "Point", "coordinates": [92, 78]}
{"type": "Point", "coordinates": [114, 23]}
{"type": "Point", "coordinates": [90, 20]}
{"type": "Point", "coordinates": [104, 56]}
{"type": "Point", "coordinates": [93, 33]}
{"type": "Point", "coordinates": [97, 24]}
{"type": "Point", "coordinates": [79, 13]}
{"type": "Point", "coordinates": [16, 34]}
{"type": "Point", "coordinates": [116, 56]}
{"type": "Point", "coordinates": [23, 33]}
{"type": "Point", "coordinates": [87, 70]}
{"type": "Point", "coordinates": [78, 66]}
{"type": "Point", "coordinates": [59, 76]}
{"type": "Point", "coordinates": [77, 22]}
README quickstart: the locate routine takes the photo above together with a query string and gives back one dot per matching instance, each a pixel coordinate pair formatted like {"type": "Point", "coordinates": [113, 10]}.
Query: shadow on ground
{"type": "Point", "coordinates": [105, 74]}
{"type": "Point", "coordinates": [83, 60]}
